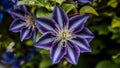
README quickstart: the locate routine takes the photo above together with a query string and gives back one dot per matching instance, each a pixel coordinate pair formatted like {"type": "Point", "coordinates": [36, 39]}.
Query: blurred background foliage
{"type": "Point", "coordinates": [104, 22]}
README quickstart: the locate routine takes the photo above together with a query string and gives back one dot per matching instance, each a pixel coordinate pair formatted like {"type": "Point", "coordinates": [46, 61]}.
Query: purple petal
{"type": "Point", "coordinates": [1, 17]}
{"type": "Point", "coordinates": [60, 17]}
{"type": "Point", "coordinates": [77, 23]}
{"type": "Point", "coordinates": [17, 25]}
{"type": "Point", "coordinates": [16, 12]}
{"type": "Point", "coordinates": [57, 52]}
{"type": "Point", "coordinates": [45, 41]}
{"type": "Point", "coordinates": [25, 34]}
{"type": "Point", "coordinates": [45, 25]}
{"type": "Point", "coordinates": [84, 1]}
{"type": "Point", "coordinates": [34, 35]}
{"type": "Point", "coordinates": [87, 34]}
{"type": "Point", "coordinates": [82, 44]}
{"type": "Point", "coordinates": [73, 53]}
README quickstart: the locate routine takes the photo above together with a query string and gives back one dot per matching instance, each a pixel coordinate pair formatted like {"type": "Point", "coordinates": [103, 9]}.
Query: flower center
{"type": "Point", "coordinates": [64, 35]}
{"type": "Point", "coordinates": [30, 21]}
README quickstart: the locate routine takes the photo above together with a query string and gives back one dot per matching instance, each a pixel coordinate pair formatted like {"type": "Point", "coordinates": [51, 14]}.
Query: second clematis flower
{"type": "Point", "coordinates": [83, 1]}
{"type": "Point", "coordinates": [5, 6]}
{"type": "Point", "coordinates": [65, 38]}
{"type": "Point", "coordinates": [24, 21]}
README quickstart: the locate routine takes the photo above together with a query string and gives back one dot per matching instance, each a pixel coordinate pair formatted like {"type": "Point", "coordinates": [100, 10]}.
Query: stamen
{"type": "Point", "coordinates": [30, 21]}
{"type": "Point", "coordinates": [64, 35]}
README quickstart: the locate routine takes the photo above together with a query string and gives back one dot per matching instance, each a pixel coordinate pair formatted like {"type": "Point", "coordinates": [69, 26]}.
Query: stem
{"type": "Point", "coordinates": [55, 2]}
{"type": "Point", "coordinates": [74, 14]}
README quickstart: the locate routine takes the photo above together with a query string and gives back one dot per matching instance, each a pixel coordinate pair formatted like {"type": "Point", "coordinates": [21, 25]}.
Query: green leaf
{"type": "Point", "coordinates": [115, 22]}
{"type": "Point", "coordinates": [67, 7]}
{"type": "Point", "coordinates": [102, 30]}
{"type": "Point", "coordinates": [29, 2]}
{"type": "Point", "coordinates": [107, 64]}
{"type": "Point", "coordinates": [88, 9]}
{"type": "Point", "coordinates": [113, 30]}
{"type": "Point", "coordinates": [43, 12]}
{"type": "Point", "coordinates": [116, 58]}
{"type": "Point", "coordinates": [43, 51]}
{"type": "Point", "coordinates": [58, 1]}
{"type": "Point", "coordinates": [0, 35]}
{"type": "Point", "coordinates": [45, 63]}
{"type": "Point", "coordinates": [112, 3]}
{"type": "Point", "coordinates": [29, 42]}
{"type": "Point", "coordinates": [97, 46]}
{"type": "Point", "coordinates": [115, 36]}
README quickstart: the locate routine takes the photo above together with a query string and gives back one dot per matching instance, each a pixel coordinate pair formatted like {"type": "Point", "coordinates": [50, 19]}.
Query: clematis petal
{"type": "Point", "coordinates": [87, 34]}
{"type": "Point", "coordinates": [14, 1]}
{"type": "Point", "coordinates": [60, 17]}
{"type": "Point", "coordinates": [84, 1]}
{"type": "Point", "coordinates": [25, 34]}
{"type": "Point", "coordinates": [73, 53]}
{"type": "Point", "coordinates": [82, 44]}
{"type": "Point", "coordinates": [45, 41]}
{"type": "Point", "coordinates": [34, 35]}
{"type": "Point", "coordinates": [9, 57]}
{"type": "Point", "coordinates": [45, 25]}
{"type": "Point", "coordinates": [17, 25]}
{"type": "Point", "coordinates": [16, 65]}
{"type": "Point", "coordinates": [77, 23]}
{"type": "Point", "coordinates": [1, 17]}
{"type": "Point", "coordinates": [16, 12]}
{"type": "Point", "coordinates": [57, 52]}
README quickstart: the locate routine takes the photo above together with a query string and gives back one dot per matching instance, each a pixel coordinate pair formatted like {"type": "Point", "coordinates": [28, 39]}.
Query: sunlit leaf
{"type": "Point", "coordinates": [112, 3]}
{"type": "Point", "coordinates": [30, 2]}
{"type": "Point", "coordinates": [43, 12]}
{"type": "Point", "coordinates": [115, 22]}
{"type": "Point", "coordinates": [59, 1]}
{"type": "Point", "coordinates": [68, 7]}
{"type": "Point", "coordinates": [88, 9]}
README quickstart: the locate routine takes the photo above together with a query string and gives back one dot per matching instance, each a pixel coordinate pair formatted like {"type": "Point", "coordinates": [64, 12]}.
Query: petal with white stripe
{"type": "Point", "coordinates": [87, 34]}
{"type": "Point", "coordinates": [57, 52]}
{"type": "Point", "coordinates": [76, 23]}
{"type": "Point", "coordinates": [73, 53]}
{"type": "Point", "coordinates": [45, 25]}
{"type": "Point", "coordinates": [17, 25]}
{"type": "Point", "coordinates": [45, 41]}
{"type": "Point", "coordinates": [60, 17]}
{"type": "Point", "coordinates": [16, 12]}
{"type": "Point", "coordinates": [25, 34]}
{"type": "Point", "coordinates": [83, 44]}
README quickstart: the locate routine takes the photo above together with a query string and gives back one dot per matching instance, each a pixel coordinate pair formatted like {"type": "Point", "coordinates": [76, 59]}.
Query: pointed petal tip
{"type": "Point", "coordinates": [22, 39]}
{"type": "Point", "coordinates": [60, 17]}
{"type": "Point", "coordinates": [54, 62]}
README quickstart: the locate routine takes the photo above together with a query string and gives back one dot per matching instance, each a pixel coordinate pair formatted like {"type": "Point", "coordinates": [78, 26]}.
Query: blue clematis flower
{"type": "Point", "coordinates": [5, 5]}
{"type": "Point", "coordinates": [21, 61]}
{"type": "Point", "coordinates": [24, 22]}
{"type": "Point", "coordinates": [11, 58]}
{"type": "Point", "coordinates": [83, 1]}
{"type": "Point", "coordinates": [65, 38]}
